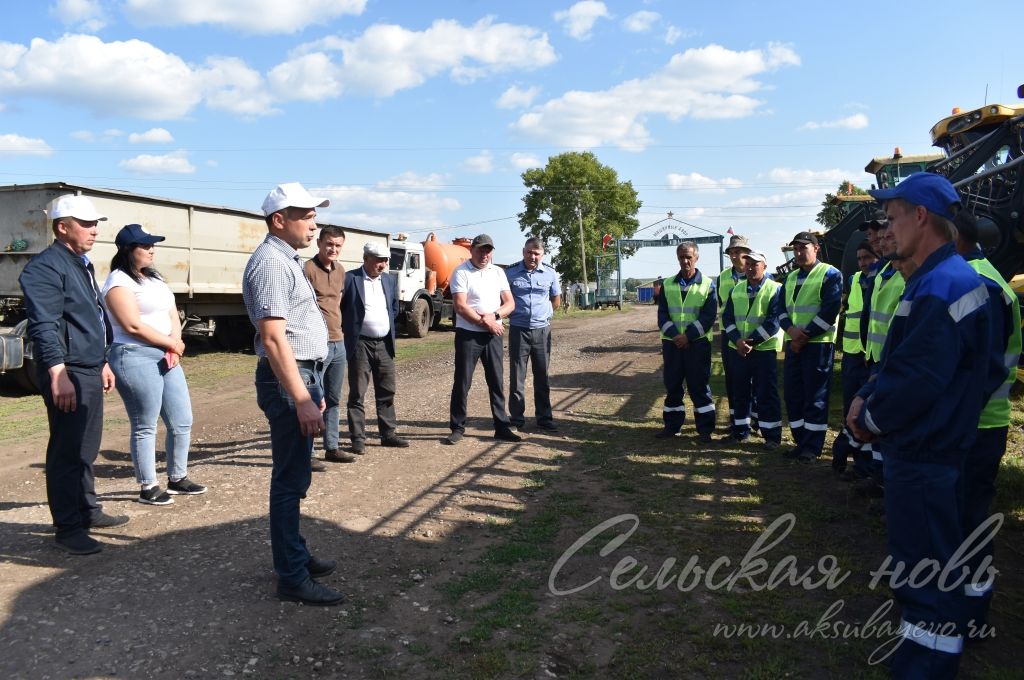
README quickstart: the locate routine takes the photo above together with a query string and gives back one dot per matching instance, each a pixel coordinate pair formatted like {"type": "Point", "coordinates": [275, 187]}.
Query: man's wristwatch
{"type": "Point", "coordinates": [497, 316]}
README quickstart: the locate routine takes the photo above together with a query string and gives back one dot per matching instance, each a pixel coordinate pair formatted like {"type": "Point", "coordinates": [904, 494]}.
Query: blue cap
{"type": "Point", "coordinates": [923, 188]}
{"type": "Point", "coordinates": [134, 234]}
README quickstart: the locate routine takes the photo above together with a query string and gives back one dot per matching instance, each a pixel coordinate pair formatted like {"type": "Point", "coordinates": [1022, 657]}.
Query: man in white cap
{"type": "Point", "coordinates": [69, 329]}
{"type": "Point", "coordinates": [369, 307]}
{"type": "Point", "coordinates": [291, 343]}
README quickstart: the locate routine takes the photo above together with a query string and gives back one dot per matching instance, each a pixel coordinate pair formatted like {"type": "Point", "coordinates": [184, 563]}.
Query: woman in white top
{"type": "Point", "coordinates": [144, 357]}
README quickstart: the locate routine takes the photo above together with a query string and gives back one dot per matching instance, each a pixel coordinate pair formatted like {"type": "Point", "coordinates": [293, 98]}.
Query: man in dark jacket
{"type": "Point", "coordinates": [369, 307]}
{"type": "Point", "coordinates": [69, 329]}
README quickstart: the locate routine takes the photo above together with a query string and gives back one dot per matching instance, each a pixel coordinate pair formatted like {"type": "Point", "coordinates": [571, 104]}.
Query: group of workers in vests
{"type": "Point", "coordinates": [930, 337]}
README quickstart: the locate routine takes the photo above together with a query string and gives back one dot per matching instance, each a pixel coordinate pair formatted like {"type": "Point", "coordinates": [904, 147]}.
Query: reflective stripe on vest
{"type": "Point", "coordinates": [750, 317]}
{"type": "Point", "coordinates": [682, 312]}
{"type": "Point", "coordinates": [854, 310]}
{"type": "Point", "coordinates": [997, 411]}
{"type": "Point", "coordinates": [884, 300]}
{"type": "Point", "coordinates": [805, 307]}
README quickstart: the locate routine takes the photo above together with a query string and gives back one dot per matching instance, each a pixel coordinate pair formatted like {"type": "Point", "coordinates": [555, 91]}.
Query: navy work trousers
{"type": "Point", "coordinates": [692, 367]}
{"type": "Point", "coordinates": [806, 382]}
{"type": "Point", "coordinates": [759, 369]}
{"type": "Point", "coordinates": [853, 375]}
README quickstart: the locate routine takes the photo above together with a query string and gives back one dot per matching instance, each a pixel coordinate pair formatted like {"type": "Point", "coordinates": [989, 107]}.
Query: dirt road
{"type": "Point", "coordinates": [187, 590]}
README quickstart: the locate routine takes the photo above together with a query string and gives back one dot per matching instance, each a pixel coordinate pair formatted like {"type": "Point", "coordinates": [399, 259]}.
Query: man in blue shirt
{"type": "Point", "coordinates": [687, 308]}
{"type": "Point", "coordinates": [536, 293]}
{"type": "Point", "coordinates": [923, 404]}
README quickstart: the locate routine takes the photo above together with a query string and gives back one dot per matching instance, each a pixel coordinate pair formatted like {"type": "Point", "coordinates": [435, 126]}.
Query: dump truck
{"type": "Point", "coordinates": [423, 273]}
{"type": "Point", "coordinates": [202, 259]}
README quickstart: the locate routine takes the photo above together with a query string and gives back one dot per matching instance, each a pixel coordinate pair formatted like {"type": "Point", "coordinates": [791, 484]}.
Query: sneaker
{"type": "Point", "coordinates": [506, 434]}
{"type": "Point", "coordinates": [155, 496]}
{"type": "Point", "coordinates": [339, 457]}
{"type": "Point", "coordinates": [185, 487]}
{"type": "Point", "coordinates": [310, 592]}
{"type": "Point", "coordinates": [79, 544]}
{"type": "Point", "coordinates": [318, 568]}
{"type": "Point", "coordinates": [394, 441]}
{"type": "Point", "coordinates": [105, 521]}
{"type": "Point", "coordinates": [454, 438]}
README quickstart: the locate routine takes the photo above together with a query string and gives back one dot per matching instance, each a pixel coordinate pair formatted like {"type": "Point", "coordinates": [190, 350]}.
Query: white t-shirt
{"type": "Point", "coordinates": [155, 301]}
{"type": "Point", "coordinates": [482, 288]}
{"type": "Point", "coordinates": [376, 320]}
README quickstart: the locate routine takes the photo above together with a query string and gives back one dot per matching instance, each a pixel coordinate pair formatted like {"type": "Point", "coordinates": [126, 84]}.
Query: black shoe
{"type": "Point", "coordinates": [550, 427]}
{"type": "Point", "coordinates": [869, 488]}
{"type": "Point", "coordinates": [851, 476]}
{"type": "Point", "coordinates": [339, 457]}
{"type": "Point", "coordinates": [105, 521]}
{"type": "Point", "coordinates": [317, 465]}
{"type": "Point", "coordinates": [806, 457]}
{"type": "Point", "coordinates": [734, 439]}
{"type": "Point", "coordinates": [185, 487]}
{"type": "Point", "coordinates": [771, 445]}
{"type": "Point", "coordinates": [154, 496]}
{"type": "Point", "coordinates": [792, 453]}
{"type": "Point", "coordinates": [319, 568]}
{"type": "Point", "coordinates": [79, 544]}
{"type": "Point", "coordinates": [507, 435]}
{"type": "Point", "coordinates": [359, 447]}
{"type": "Point", "coordinates": [394, 441]}
{"type": "Point", "coordinates": [705, 438]}
{"type": "Point", "coordinates": [454, 438]}
{"type": "Point", "coordinates": [665, 434]}
{"type": "Point", "coordinates": [312, 593]}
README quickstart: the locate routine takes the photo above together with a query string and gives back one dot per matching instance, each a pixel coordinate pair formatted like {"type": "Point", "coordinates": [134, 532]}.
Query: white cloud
{"type": "Point", "coordinates": [16, 145]}
{"type": "Point", "coordinates": [517, 97]}
{"type": "Point", "coordinates": [673, 34]}
{"type": "Point", "coordinates": [86, 15]}
{"type": "Point", "coordinates": [802, 176]}
{"type": "Point", "coordinates": [251, 16]}
{"type": "Point", "coordinates": [578, 21]}
{"type": "Point", "coordinates": [695, 181]}
{"type": "Point", "coordinates": [857, 121]}
{"type": "Point", "coordinates": [387, 58]}
{"type": "Point", "coordinates": [711, 82]}
{"type": "Point", "coordinates": [174, 163]}
{"type": "Point", "coordinates": [640, 22]}
{"type": "Point", "coordinates": [482, 163]}
{"type": "Point", "coordinates": [408, 201]}
{"type": "Point", "coordinates": [151, 136]}
{"type": "Point", "coordinates": [129, 78]}
{"type": "Point", "coordinates": [524, 161]}
{"type": "Point", "coordinates": [808, 186]}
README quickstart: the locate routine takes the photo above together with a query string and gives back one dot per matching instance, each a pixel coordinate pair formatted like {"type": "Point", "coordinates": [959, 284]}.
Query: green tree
{"type": "Point", "coordinates": [632, 284]}
{"type": "Point", "coordinates": [832, 208]}
{"type": "Point", "coordinates": [571, 184]}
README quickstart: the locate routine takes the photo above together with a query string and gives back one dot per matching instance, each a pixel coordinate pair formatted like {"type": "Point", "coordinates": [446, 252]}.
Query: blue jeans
{"type": "Point", "coordinates": [334, 378]}
{"type": "Point", "coordinates": [291, 472]}
{"type": "Point", "coordinates": [151, 391]}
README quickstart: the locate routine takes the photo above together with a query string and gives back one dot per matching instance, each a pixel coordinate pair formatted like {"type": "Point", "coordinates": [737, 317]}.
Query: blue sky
{"type": "Point", "coordinates": [419, 116]}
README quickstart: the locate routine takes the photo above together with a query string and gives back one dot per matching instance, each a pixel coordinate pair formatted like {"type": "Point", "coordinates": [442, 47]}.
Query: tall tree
{"type": "Point", "coordinates": [832, 209]}
{"type": "Point", "coordinates": [573, 184]}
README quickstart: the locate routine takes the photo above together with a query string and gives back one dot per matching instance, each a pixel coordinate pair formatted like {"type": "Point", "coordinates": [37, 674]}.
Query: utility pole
{"type": "Point", "coordinates": [583, 250]}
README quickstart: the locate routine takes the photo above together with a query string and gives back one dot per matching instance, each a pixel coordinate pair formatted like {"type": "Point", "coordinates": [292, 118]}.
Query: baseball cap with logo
{"type": "Point", "coordinates": [135, 234]}
{"type": "Point", "coordinates": [73, 205]}
{"type": "Point", "coordinates": [291, 195]}
{"type": "Point", "coordinates": [482, 240]}
{"type": "Point", "coordinates": [804, 237]}
{"type": "Point", "coordinates": [923, 188]}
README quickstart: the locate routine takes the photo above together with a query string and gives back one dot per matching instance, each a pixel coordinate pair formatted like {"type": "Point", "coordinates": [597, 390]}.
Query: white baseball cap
{"type": "Point", "coordinates": [756, 256]}
{"type": "Point", "coordinates": [73, 205]}
{"type": "Point", "coordinates": [291, 195]}
{"type": "Point", "coordinates": [376, 249]}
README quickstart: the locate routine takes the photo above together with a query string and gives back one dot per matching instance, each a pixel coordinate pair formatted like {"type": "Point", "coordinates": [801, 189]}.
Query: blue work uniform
{"type": "Point", "coordinates": [728, 279]}
{"type": "Point", "coordinates": [693, 364]}
{"type": "Point", "coordinates": [807, 375]}
{"type": "Point", "coordinates": [933, 378]}
{"type": "Point", "coordinates": [854, 368]}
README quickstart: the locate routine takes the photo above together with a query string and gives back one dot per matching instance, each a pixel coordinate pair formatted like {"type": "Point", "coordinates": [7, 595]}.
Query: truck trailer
{"type": "Point", "coordinates": [202, 259]}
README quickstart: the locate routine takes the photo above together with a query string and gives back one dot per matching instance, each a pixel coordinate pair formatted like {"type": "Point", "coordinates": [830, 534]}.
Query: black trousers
{"type": "Point", "coordinates": [531, 345]}
{"type": "Point", "coordinates": [371, 359]}
{"type": "Point", "coordinates": [72, 450]}
{"type": "Point", "coordinates": [470, 347]}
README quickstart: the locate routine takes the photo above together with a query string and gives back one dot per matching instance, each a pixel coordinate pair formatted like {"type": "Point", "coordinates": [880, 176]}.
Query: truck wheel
{"type": "Point", "coordinates": [419, 319]}
{"type": "Point", "coordinates": [27, 376]}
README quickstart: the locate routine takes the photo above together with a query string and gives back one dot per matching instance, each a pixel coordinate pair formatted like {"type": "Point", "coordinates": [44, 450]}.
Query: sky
{"type": "Point", "coordinates": [421, 116]}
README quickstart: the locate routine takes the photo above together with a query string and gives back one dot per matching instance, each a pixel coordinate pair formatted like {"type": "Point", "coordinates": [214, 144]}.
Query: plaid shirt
{"type": "Point", "coordinates": [274, 285]}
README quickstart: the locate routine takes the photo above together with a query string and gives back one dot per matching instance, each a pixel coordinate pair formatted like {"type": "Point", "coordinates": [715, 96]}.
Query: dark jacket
{"type": "Point", "coordinates": [64, 310]}
{"type": "Point", "coordinates": [353, 309]}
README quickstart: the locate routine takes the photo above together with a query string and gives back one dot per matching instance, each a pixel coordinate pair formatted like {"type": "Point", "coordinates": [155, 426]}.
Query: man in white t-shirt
{"type": "Point", "coordinates": [482, 298]}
